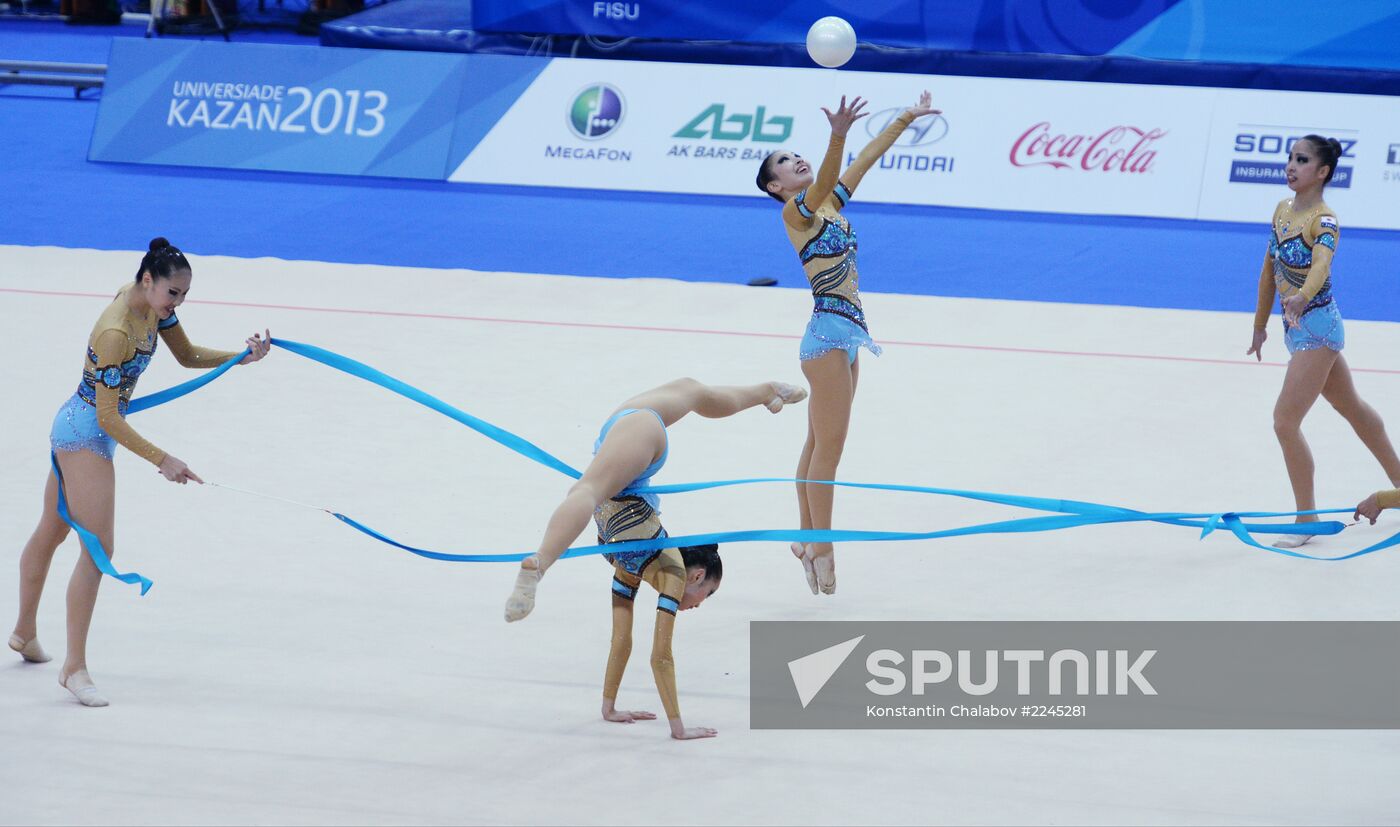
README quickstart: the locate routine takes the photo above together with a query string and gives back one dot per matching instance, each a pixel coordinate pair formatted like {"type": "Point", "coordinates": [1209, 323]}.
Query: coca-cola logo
{"type": "Point", "coordinates": [1116, 149]}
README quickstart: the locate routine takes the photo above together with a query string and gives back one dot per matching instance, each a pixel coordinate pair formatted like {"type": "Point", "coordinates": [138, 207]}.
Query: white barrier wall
{"type": "Point", "coordinates": [1045, 146]}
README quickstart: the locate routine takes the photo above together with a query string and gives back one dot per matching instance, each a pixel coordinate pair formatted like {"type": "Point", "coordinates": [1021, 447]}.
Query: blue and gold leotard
{"type": "Point", "coordinates": [633, 515]}
{"type": "Point", "coordinates": [826, 246]}
{"type": "Point", "coordinates": [1299, 261]}
{"type": "Point", "coordinates": [119, 349]}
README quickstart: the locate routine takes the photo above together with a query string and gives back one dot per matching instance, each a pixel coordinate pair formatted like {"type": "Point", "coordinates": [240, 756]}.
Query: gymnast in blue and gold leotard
{"type": "Point", "coordinates": [631, 448]}
{"type": "Point", "coordinates": [1299, 263]}
{"type": "Point", "coordinates": [1303, 237]}
{"type": "Point", "coordinates": [826, 245]}
{"type": "Point", "coordinates": [84, 435]}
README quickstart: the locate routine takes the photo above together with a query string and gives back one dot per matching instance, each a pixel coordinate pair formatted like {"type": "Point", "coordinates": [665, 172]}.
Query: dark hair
{"type": "Point", "coordinates": [1329, 151]}
{"type": "Point", "coordinates": [162, 260]}
{"type": "Point", "coordinates": [707, 558]}
{"type": "Point", "coordinates": [766, 176]}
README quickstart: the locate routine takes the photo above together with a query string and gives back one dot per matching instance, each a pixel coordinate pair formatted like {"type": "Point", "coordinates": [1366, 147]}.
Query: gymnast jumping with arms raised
{"type": "Point", "coordinates": [631, 448]}
{"type": "Point", "coordinates": [84, 436]}
{"type": "Point", "coordinates": [1298, 267]}
{"type": "Point", "coordinates": [826, 245]}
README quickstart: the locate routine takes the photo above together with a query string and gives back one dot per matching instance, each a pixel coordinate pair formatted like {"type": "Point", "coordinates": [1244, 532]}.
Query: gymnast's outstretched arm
{"type": "Point", "coordinates": [800, 212]}
{"type": "Point", "coordinates": [190, 355]}
{"type": "Point", "coordinates": [667, 574]}
{"type": "Point", "coordinates": [624, 594]}
{"type": "Point", "coordinates": [879, 146]}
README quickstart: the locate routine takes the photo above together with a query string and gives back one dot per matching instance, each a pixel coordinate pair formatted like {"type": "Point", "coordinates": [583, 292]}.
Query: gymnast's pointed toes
{"type": "Point", "coordinates": [785, 394]}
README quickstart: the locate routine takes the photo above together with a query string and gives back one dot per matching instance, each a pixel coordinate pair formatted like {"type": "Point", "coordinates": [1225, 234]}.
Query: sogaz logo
{"type": "Point", "coordinates": [1260, 153]}
{"type": "Point", "coordinates": [596, 111]}
{"type": "Point", "coordinates": [714, 122]}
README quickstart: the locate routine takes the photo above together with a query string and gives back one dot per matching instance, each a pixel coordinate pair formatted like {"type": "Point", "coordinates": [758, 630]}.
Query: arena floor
{"type": "Point", "coordinates": [285, 669]}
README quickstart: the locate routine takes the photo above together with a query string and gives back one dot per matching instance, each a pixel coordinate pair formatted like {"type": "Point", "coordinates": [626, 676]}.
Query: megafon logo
{"type": "Point", "coordinates": [926, 130]}
{"type": "Point", "coordinates": [1120, 148]}
{"type": "Point", "coordinates": [596, 111]}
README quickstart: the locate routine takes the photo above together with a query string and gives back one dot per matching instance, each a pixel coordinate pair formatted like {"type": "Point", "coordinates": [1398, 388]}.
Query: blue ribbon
{"type": "Point", "coordinates": [1067, 513]}
{"type": "Point", "coordinates": [1019, 526]}
{"type": "Point", "coordinates": [184, 388]}
{"type": "Point", "coordinates": [362, 371]}
{"type": "Point", "coordinates": [89, 540]}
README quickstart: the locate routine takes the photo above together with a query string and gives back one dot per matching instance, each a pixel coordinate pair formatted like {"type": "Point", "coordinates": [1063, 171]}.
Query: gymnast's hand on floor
{"type": "Point", "coordinates": [1370, 508]}
{"type": "Point", "coordinates": [1293, 307]}
{"type": "Point", "coordinates": [1257, 349]}
{"type": "Point", "coordinates": [681, 732]}
{"type": "Point", "coordinates": [845, 115]}
{"type": "Point", "coordinates": [177, 471]}
{"type": "Point", "coordinates": [619, 716]}
{"type": "Point", "coordinates": [258, 347]}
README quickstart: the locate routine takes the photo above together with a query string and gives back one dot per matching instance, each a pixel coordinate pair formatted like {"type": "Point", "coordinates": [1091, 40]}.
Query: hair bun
{"type": "Point", "coordinates": [159, 243]}
{"type": "Point", "coordinates": [1336, 146]}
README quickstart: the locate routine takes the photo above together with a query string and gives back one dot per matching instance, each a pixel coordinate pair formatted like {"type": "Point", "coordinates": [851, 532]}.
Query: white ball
{"type": "Point", "coordinates": [831, 41]}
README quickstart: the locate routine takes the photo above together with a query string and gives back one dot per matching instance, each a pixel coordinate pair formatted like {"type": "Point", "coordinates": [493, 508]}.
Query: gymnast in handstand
{"type": "Point", "coordinates": [631, 447]}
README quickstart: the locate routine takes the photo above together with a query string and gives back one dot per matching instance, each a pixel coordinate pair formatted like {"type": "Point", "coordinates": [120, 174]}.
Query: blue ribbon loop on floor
{"type": "Point", "coordinates": [1066, 513]}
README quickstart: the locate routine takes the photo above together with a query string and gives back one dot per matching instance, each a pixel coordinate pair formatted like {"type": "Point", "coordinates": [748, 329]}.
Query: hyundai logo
{"type": "Point", "coordinates": [926, 130]}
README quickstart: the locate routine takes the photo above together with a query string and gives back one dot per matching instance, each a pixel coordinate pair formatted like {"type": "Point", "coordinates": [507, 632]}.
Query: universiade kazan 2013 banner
{"type": "Point", "coordinates": [290, 108]}
{"type": "Point", "coordinates": [1005, 144]}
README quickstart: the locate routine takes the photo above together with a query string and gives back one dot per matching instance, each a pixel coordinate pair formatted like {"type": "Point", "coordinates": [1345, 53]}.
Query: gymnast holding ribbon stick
{"type": "Point", "coordinates": [1298, 269]}
{"type": "Point", "coordinates": [82, 485]}
{"type": "Point", "coordinates": [631, 448]}
{"type": "Point", "coordinates": [1372, 506]}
